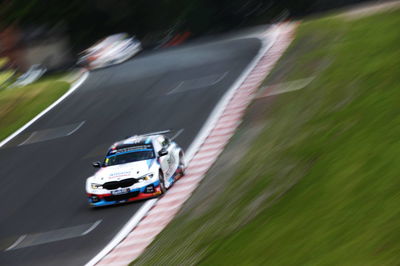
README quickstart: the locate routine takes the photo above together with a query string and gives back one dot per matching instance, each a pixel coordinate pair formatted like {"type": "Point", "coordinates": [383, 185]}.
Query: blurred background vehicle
{"type": "Point", "coordinates": [111, 50]}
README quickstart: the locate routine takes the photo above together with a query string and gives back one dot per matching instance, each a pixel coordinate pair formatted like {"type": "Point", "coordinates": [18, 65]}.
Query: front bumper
{"type": "Point", "coordinates": [98, 200]}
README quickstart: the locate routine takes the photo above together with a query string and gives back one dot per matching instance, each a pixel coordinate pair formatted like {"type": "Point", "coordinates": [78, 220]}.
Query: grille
{"type": "Point", "coordinates": [122, 197]}
{"type": "Point", "coordinates": [120, 184]}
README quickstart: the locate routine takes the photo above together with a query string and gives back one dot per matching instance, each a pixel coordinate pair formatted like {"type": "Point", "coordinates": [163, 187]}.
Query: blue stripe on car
{"type": "Point", "coordinates": [128, 152]}
{"type": "Point", "coordinates": [150, 162]}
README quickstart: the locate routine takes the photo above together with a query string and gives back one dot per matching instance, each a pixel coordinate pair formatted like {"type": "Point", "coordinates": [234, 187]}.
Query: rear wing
{"type": "Point", "coordinates": [175, 133]}
{"type": "Point", "coordinates": [158, 132]}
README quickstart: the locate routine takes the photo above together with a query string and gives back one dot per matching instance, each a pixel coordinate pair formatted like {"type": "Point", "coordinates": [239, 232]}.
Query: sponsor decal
{"type": "Point", "coordinates": [120, 174]}
{"type": "Point", "coordinates": [134, 148]}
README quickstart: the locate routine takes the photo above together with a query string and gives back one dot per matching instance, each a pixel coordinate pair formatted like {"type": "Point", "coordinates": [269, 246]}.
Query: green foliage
{"type": "Point", "coordinates": [4, 76]}
{"type": "Point", "coordinates": [89, 20]}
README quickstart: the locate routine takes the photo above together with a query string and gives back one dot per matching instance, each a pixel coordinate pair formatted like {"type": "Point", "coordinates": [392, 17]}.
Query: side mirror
{"type": "Point", "coordinates": [96, 164]}
{"type": "Point", "coordinates": [162, 152]}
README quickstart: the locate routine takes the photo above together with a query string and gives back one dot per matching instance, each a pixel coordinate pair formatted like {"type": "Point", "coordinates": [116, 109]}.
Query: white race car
{"type": "Point", "coordinates": [136, 168]}
{"type": "Point", "coordinates": [112, 50]}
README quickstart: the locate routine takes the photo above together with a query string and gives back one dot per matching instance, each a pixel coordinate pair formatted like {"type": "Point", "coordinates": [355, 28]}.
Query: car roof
{"type": "Point", "coordinates": [134, 141]}
{"type": "Point", "coordinates": [128, 143]}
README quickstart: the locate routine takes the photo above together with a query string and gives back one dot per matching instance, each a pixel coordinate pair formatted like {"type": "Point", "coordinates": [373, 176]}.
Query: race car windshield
{"type": "Point", "coordinates": [129, 157]}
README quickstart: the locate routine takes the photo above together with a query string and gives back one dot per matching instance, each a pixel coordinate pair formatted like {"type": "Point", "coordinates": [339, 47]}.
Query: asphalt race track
{"type": "Point", "coordinates": [44, 215]}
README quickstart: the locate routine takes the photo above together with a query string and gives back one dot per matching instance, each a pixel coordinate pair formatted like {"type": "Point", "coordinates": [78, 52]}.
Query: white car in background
{"type": "Point", "coordinates": [136, 168]}
{"type": "Point", "coordinates": [111, 50]}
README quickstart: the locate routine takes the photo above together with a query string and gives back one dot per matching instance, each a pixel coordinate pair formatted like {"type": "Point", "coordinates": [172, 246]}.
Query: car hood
{"type": "Point", "coordinates": [123, 171]}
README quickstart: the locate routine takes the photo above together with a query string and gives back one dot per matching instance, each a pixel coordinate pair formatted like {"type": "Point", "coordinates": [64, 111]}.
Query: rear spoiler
{"type": "Point", "coordinates": [151, 133]}
{"type": "Point", "coordinates": [177, 133]}
{"type": "Point", "coordinates": [158, 132]}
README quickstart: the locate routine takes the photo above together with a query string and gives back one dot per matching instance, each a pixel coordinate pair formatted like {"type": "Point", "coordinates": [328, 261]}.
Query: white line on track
{"type": "Point", "coordinates": [16, 243]}
{"type": "Point", "coordinates": [45, 111]}
{"type": "Point", "coordinates": [52, 133]}
{"type": "Point", "coordinates": [28, 138]}
{"type": "Point", "coordinates": [180, 131]}
{"type": "Point", "coordinates": [135, 219]}
{"type": "Point", "coordinates": [91, 228]}
{"type": "Point", "coordinates": [59, 234]}
{"type": "Point", "coordinates": [197, 83]}
{"type": "Point", "coordinates": [75, 129]}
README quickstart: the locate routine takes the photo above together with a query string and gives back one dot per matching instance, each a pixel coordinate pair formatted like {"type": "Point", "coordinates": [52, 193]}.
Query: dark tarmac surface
{"type": "Point", "coordinates": [44, 214]}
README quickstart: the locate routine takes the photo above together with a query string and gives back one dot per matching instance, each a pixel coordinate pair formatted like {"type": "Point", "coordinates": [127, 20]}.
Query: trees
{"type": "Point", "coordinates": [89, 20]}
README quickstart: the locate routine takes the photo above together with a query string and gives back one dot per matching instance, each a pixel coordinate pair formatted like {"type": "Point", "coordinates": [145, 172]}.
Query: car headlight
{"type": "Point", "coordinates": [145, 177]}
{"type": "Point", "coordinates": [96, 186]}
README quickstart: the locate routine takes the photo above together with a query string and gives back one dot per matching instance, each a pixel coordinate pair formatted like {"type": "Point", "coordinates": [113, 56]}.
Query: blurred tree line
{"type": "Point", "coordinates": [86, 21]}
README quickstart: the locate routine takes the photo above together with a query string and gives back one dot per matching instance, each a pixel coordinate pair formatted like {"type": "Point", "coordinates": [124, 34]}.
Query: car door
{"type": "Point", "coordinates": [165, 160]}
{"type": "Point", "coordinates": [171, 159]}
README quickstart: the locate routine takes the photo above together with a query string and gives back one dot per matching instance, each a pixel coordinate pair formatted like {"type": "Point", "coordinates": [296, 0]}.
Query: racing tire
{"type": "Point", "coordinates": [162, 183]}
{"type": "Point", "coordinates": [182, 166]}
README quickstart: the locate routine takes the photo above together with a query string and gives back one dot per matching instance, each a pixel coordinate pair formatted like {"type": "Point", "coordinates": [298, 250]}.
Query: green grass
{"type": "Point", "coordinates": [321, 184]}
{"type": "Point", "coordinates": [5, 76]}
{"type": "Point", "coordinates": [21, 104]}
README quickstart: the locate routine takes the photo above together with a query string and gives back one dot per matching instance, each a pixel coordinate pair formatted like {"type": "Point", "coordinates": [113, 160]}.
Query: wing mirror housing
{"type": "Point", "coordinates": [162, 152]}
{"type": "Point", "coordinates": [96, 164]}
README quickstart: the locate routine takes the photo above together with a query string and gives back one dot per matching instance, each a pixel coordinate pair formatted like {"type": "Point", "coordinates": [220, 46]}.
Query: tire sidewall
{"type": "Point", "coordinates": [182, 165]}
{"type": "Point", "coordinates": [162, 182]}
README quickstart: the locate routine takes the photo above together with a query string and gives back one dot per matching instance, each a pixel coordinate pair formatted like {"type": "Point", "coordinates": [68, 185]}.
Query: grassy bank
{"type": "Point", "coordinates": [320, 184]}
{"type": "Point", "coordinates": [19, 105]}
